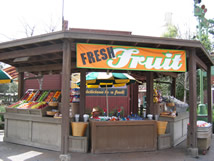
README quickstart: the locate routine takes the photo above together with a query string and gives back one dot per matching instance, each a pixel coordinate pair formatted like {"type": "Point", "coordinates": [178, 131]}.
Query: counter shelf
{"type": "Point", "coordinates": [123, 136]}
{"type": "Point", "coordinates": [35, 112]}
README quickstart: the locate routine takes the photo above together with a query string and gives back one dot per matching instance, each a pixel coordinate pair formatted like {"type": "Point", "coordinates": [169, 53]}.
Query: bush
{"type": "Point", "coordinates": [2, 109]}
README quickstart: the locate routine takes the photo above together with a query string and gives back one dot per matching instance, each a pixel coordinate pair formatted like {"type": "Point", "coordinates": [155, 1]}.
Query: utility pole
{"type": "Point", "coordinates": [199, 12]}
{"type": "Point", "coordinates": [64, 22]}
{"type": "Point", "coordinates": [63, 15]}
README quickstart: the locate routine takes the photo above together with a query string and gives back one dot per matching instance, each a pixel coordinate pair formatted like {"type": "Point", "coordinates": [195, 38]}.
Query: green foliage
{"type": "Point", "coordinates": [13, 87]}
{"type": "Point", "coordinates": [205, 39]}
{"type": "Point", "coordinates": [163, 87]}
{"type": "Point", "coordinates": [2, 109]}
{"type": "Point", "coordinates": [171, 32]}
{"type": "Point", "coordinates": [9, 88]}
{"type": "Point", "coordinates": [4, 88]}
{"type": "Point", "coordinates": [206, 42]}
{"type": "Point", "coordinates": [180, 87]}
{"type": "Point", "coordinates": [211, 26]}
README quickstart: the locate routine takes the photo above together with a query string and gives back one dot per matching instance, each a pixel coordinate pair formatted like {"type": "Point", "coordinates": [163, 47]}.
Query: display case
{"type": "Point", "coordinates": [35, 102]}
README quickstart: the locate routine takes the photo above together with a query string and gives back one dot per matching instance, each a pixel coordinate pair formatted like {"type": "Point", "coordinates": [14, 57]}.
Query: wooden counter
{"type": "Point", "coordinates": [177, 127]}
{"type": "Point", "coordinates": [41, 132]}
{"type": "Point", "coordinates": [123, 136]}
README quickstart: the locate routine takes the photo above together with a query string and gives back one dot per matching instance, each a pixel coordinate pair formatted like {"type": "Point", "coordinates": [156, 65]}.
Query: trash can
{"type": "Point", "coordinates": [202, 109]}
{"type": "Point", "coordinates": [204, 138]}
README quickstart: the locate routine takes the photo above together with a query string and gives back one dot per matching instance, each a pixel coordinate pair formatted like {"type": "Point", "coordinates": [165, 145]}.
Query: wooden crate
{"type": "Point", "coordinates": [41, 112]}
{"type": "Point", "coordinates": [78, 144]}
{"type": "Point", "coordinates": [23, 111]}
{"type": "Point", "coordinates": [164, 141]}
{"type": "Point", "coordinates": [11, 110]}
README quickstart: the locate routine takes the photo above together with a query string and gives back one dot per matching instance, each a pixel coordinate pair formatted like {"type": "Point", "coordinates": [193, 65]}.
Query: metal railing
{"type": "Point", "coordinates": [8, 98]}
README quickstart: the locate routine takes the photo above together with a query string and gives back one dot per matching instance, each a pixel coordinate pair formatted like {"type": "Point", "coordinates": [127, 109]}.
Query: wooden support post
{"type": "Point", "coordinates": [173, 87]}
{"type": "Point", "coordinates": [192, 131]}
{"type": "Point", "coordinates": [209, 95]}
{"type": "Point", "coordinates": [149, 91]}
{"type": "Point", "coordinates": [131, 99]}
{"type": "Point", "coordinates": [20, 85]}
{"type": "Point", "coordinates": [82, 92]}
{"type": "Point", "coordinates": [66, 76]}
{"type": "Point", "coordinates": [135, 98]}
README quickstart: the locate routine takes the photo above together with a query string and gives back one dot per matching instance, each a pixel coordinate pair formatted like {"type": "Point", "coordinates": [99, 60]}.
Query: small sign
{"type": "Point", "coordinates": [102, 91]}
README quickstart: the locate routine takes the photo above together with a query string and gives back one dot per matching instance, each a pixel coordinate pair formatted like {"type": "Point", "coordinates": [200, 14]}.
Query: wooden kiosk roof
{"type": "Point", "coordinates": [45, 51]}
{"type": "Point", "coordinates": [52, 53]}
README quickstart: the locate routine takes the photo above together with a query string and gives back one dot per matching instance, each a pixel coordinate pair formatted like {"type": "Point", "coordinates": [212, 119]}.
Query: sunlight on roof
{"type": "Point", "coordinates": [24, 156]}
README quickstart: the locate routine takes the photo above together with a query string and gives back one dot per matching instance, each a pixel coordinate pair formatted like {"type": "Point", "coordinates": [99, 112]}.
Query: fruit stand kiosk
{"type": "Point", "coordinates": [57, 53]}
{"type": "Point", "coordinates": [28, 120]}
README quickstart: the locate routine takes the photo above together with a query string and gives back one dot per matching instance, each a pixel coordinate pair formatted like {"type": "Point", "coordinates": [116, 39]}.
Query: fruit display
{"type": "Point", "coordinates": [43, 96]}
{"type": "Point", "coordinates": [50, 95]}
{"type": "Point", "coordinates": [36, 99]}
{"type": "Point", "coordinates": [56, 96]}
{"type": "Point", "coordinates": [29, 95]}
{"type": "Point", "coordinates": [37, 95]}
{"type": "Point", "coordinates": [28, 105]}
{"type": "Point", "coordinates": [39, 105]}
{"type": "Point", "coordinates": [15, 105]}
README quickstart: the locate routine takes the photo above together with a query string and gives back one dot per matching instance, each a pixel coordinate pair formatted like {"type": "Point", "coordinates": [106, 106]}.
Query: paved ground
{"type": "Point", "coordinates": [14, 152]}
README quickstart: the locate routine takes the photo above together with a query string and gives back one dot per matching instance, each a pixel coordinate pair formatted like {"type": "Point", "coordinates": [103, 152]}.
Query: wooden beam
{"type": "Point", "coordinates": [35, 60]}
{"type": "Point", "coordinates": [192, 100]}
{"type": "Point", "coordinates": [82, 91]}
{"type": "Point", "coordinates": [66, 76]}
{"type": "Point", "coordinates": [162, 82]}
{"type": "Point", "coordinates": [209, 95]}
{"type": "Point", "coordinates": [20, 85]}
{"type": "Point", "coordinates": [174, 75]}
{"type": "Point", "coordinates": [149, 90]}
{"type": "Point", "coordinates": [36, 77]}
{"type": "Point", "coordinates": [31, 52]}
{"type": "Point", "coordinates": [200, 63]}
{"type": "Point", "coordinates": [40, 68]}
{"type": "Point", "coordinates": [47, 57]}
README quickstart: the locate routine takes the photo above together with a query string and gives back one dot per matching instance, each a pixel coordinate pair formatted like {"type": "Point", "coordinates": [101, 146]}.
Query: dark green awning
{"type": "Point", "coordinates": [5, 78]}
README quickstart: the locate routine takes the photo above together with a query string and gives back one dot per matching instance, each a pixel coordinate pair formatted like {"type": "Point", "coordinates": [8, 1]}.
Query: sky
{"type": "Point", "coordinates": [141, 17]}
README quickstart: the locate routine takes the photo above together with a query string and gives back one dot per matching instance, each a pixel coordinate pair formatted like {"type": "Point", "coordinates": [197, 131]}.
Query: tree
{"type": "Point", "coordinates": [181, 82]}
{"type": "Point", "coordinates": [171, 31]}
{"type": "Point", "coordinates": [211, 26]}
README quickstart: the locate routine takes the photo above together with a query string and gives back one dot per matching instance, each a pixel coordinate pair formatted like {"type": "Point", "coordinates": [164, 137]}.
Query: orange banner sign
{"type": "Point", "coordinates": [130, 58]}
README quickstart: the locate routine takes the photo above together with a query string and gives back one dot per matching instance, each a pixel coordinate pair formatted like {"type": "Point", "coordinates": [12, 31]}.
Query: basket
{"type": "Point", "coordinates": [51, 113]}
{"type": "Point", "coordinates": [79, 128]}
{"type": "Point", "coordinates": [53, 103]}
{"type": "Point", "coordinates": [161, 127]}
